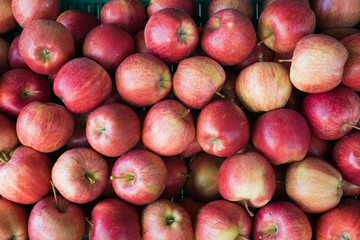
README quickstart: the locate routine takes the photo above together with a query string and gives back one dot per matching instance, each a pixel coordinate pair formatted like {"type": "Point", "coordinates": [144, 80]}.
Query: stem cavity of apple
{"type": "Point", "coordinates": [160, 84]}
{"type": "Point", "coordinates": [46, 54]}
{"type": "Point", "coordinates": [169, 220]}
{"type": "Point", "coordinates": [182, 35]}
{"type": "Point", "coordinates": [218, 23]}
{"type": "Point", "coordinates": [29, 93]}
{"type": "Point", "coordinates": [183, 115]}
{"type": "Point", "coordinates": [88, 176]}
{"type": "Point", "coordinates": [215, 140]}
{"type": "Point", "coordinates": [269, 232]}
{"type": "Point", "coordinates": [345, 237]}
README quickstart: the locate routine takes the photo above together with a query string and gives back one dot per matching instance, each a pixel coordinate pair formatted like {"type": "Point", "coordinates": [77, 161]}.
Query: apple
{"type": "Point", "coordinates": [82, 84]}
{"type": "Point", "coordinates": [171, 35]}
{"type": "Point", "coordinates": [186, 5]}
{"type": "Point", "coordinates": [281, 135]}
{"type": "Point", "coordinates": [281, 220]}
{"type": "Point", "coordinates": [139, 42]}
{"type": "Point", "coordinates": [222, 128]}
{"type": "Point", "coordinates": [114, 219]}
{"type": "Point", "coordinates": [314, 185]}
{"type": "Point", "coordinates": [220, 220]}
{"type": "Point", "coordinates": [196, 80]}
{"type": "Point", "coordinates": [339, 33]}
{"type": "Point", "coordinates": [263, 86]}
{"type": "Point", "coordinates": [284, 22]}
{"type": "Point", "coordinates": [56, 218]}
{"type": "Point", "coordinates": [244, 6]}
{"type": "Point", "coordinates": [80, 175]}
{"type": "Point", "coordinates": [177, 175]}
{"type": "Point", "coordinates": [202, 182]}
{"type": "Point", "coordinates": [332, 13]}
{"type": "Point", "coordinates": [14, 57]}
{"type": "Point", "coordinates": [319, 147]}
{"type": "Point", "coordinates": [113, 129]}
{"type": "Point", "coordinates": [139, 176]}
{"type": "Point", "coordinates": [228, 36]}
{"type": "Point", "coordinates": [8, 137]}
{"type": "Point", "coordinates": [45, 45]}
{"type": "Point", "coordinates": [192, 149]}
{"type": "Point", "coordinates": [80, 23]}
{"type": "Point", "coordinates": [46, 127]}
{"type": "Point", "coordinates": [102, 45]}
{"type": "Point", "coordinates": [318, 63]}
{"type": "Point", "coordinates": [346, 154]}
{"type": "Point", "coordinates": [30, 181]}
{"type": "Point", "coordinates": [145, 87]}
{"type": "Point", "coordinates": [78, 139]}
{"type": "Point", "coordinates": [341, 222]}
{"type": "Point", "coordinates": [351, 69]}
{"type": "Point", "coordinates": [168, 128]}
{"type": "Point", "coordinates": [266, 3]}
{"type": "Point", "coordinates": [247, 178]}
{"type": "Point", "coordinates": [350, 189]}
{"type": "Point", "coordinates": [18, 87]}
{"type": "Point", "coordinates": [191, 206]}
{"type": "Point", "coordinates": [332, 114]}
{"type": "Point", "coordinates": [13, 220]}
{"type": "Point", "coordinates": [7, 20]}
{"type": "Point", "coordinates": [4, 52]}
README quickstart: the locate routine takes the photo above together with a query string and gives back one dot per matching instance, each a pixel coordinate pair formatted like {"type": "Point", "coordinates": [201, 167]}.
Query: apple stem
{"type": "Point", "coordinates": [122, 177]}
{"type": "Point", "coordinates": [353, 126]}
{"type": "Point", "coordinates": [220, 95]}
{"type": "Point", "coordinates": [4, 158]}
{"type": "Point", "coordinates": [239, 237]}
{"type": "Point", "coordinates": [183, 115]}
{"type": "Point", "coordinates": [89, 222]}
{"type": "Point", "coordinates": [247, 208]}
{"type": "Point", "coordinates": [187, 175]}
{"type": "Point", "coordinates": [55, 195]}
{"type": "Point", "coordinates": [264, 39]}
{"type": "Point", "coordinates": [271, 231]}
{"type": "Point", "coordinates": [29, 93]}
{"type": "Point", "coordinates": [261, 57]}
{"type": "Point", "coordinates": [193, 157]}
{"type": "Point", "coordinates": [279, 181]}
{"type": "Point", "coordinates": [284, 60]}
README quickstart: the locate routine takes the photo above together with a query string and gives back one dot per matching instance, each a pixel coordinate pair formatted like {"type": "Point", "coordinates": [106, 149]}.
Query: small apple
{"type": "Point", "coordinates": [351, 69]}
{"type": "Point", "coordinates": [15, 59]}
{"type": "Point", "coordinates": [13, 220]}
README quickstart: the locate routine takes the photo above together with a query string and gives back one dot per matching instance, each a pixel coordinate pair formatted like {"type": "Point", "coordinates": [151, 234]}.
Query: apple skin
{"type": "Point", "coordinates": [228, 36]}
{"type": "Point", "coordinates": [284, 22]}
{"type": "Point", "coordinates": [331, 114]}
{"type": "Point", "coordinates": [80, 23]}
{"type": "Point", "coordinates": [130, 15]}
{"type": "Point", "coordinates": [46, 45]}
{"type": "Point", "coordinates": [319, 147]}
{"type": "Point", "coordinates": [177, 175]}
{"type": "Point", "coordinates": [285, 218]}
{"type": "Point", "coordinates": [82, 84]}
{"type": "Point", "coordinates": [346, 154]}
{"type": "Point", "coordinates": [113, 129]}
{"type": "Point", "coordinates": [193, 148]}
{"type": "Point", "coordinates": [164, 219]}
{"type": "Point", "coordinates": [191, 206]}
{"type": "Point", "coordinates": [139, 177]}
{"type": "Point", "coordinates": [318, 63]}
{"type": "Point", "coordinates": [196, 80]}
{"type": "Point", "coordinates": [266, 3]}
{"type": "Point", "coordinates": [352, 69]}
{"type": "Point", "coordinates": [8, 137]}
{"type": "Point", "coordinates": [168, 122]}
{"type": "Point", "coordinates": [46, 127]}
{"type": "Point", "coordinates": [171, 35]}
{"type": "Point", "coordinates": [341, 222]}
{"type": "Point", "coordinates": [220, 220]}
{"type": "Point", "coordinates": [222, 128]}
{"type": "Point", "coordinates": [114, 219]}
{"type": "Point", "coordinates": [314, 185]}
{"type": "Point", "coordinates": [186, 5]}
{"type": "Point", "coordinates": [7, 20]}
{"type": "Point", "coordinates": [281, 135]}
{"type": "Point", "coordinates": [4, 52]}
{"type": "Point", "coordinates": [13, 220]}
{"type": "Point", "coordinates": [349, 189]}
{"type": "Point", "coordinates": [139, 42]}
{"type": "Point", "coordinates": [332, 13]}
{"type": "Point", "coordinates": [145, 87]}
{"type": "Point", "coordinates": [263, 86]}
{"type": "Point", "coordinates": [102, 45]}
{"type": "Point", "coordinates": [340, 33]}
{"type": "Point", "coordinates": [79, 139]}
{"type": "Point", "coordinates": [18, 87]}
{"type": "Point", "coordinates": [244, 6]}
{"type": "Point", "coordinates": [14, 57]}
{"type": "Point", "coordinates": [247, 177]}
{"type": "Point", "coordinates": [26, 176]}
{"type": "Point", "coordinates": [56, 219]}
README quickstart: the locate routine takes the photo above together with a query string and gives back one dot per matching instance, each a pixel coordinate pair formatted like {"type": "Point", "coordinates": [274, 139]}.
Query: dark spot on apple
{"type": "Point", "coordinates": [12, 237]}
{"type": "Point", "coordinates": [182, 35]}
{"type": "Point", "coordinates": [169, 220]}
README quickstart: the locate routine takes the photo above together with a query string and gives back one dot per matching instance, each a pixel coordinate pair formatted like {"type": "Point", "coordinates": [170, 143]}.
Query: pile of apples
{"type": "Point", "coordinates": [141, 123]}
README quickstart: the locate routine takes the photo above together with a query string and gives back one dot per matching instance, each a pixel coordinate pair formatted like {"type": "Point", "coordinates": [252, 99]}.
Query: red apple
{"type": "Point", "coordinates": [168, 128]}
{"type": "Point", "coordinates": [281, 135]}
{"type": "Point", "coordinates": [228, 36]}
{"type": "Point", "coordinates": [220, 220]}
{"type": "Point", "coordinates": [222, 128]}
{"type": "Point", "coordinates": [78, 139]}
{"type": "Point", "coordinates": [350, 189]}
{"type": "Point", "coordinates": [15, 59]}
{"type": "Point", "coordinates": [352, 69]}
{"type": "Point", "coordinates": [4, 52]}
{"type": "Point", "coordinates": [191, 206]}
{"type": "Point", "coordinates": [18, 87]}
{"type": "Point", "coordinates": [46, 127]}
{"type": "Point", "coordinates": [45, 45]}
{"type": "Point", "coordinates": [177, 175]}
{"type": "Point", "coordinates": [171, 34]}
{"type": "Point", "coordinates": [114, 219]}
{"type": "Point", "coordinates": [318, 63]}
{"type": "Point", "coordinates": [284, 22]}
{"type": "Point", "coordinates": [281, 220]}
{"type": "Point", "coordinates": [244, 6]}
{"type": "Point", "coordinates": [7, 20]}
{"type": "Point", "coordinates": [319, 147]}
{"type": "Point", "coordinates": [266, 3]}
{"type": "Point", "coordinates": [333, 114]}
{"type": "Point", "coordinates": [145, 87]}
{"type": "Point", "coordinates": [186, 5]}
{"type": "Point", "coordinates": [113, 129]}
{"type": "Point", "coordinates": [82, 84]}
{"type": "Point", "coordinates": [139, 42]}
{"type": "Point", "coordinates": [314, 185]}
{"type": "Point", "coordinates": [8, 136]}
{"type": "Point", "coordinates": [332, 13]}
{"type": "Point", "coordinates": [193, 148]}
{"type": "Point", "coordinates": [164, 219]}
{"type": "Point", "coordinates": [13, 221]}
{"type": "Point", "coordinates": [263, 86]}
{"type": "Point", "coordinates": [341, 222]}
{"type": "Point", "coordinates": [196, 80]}
{"type": "Point", "coordinates": [25, 175]}
{"type": "Point", "coordinates": [339, 33]}
{"type": "Point", "coordinates": [139, 177]}
{"type": "Point", "coordinates": [56, 218]}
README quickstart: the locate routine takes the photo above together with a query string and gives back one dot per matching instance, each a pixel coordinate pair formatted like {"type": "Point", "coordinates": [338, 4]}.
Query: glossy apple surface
{"type": "Point", "coordinates": [352, 68]}
{"type": "Point", "coordinates": [188, 6]}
